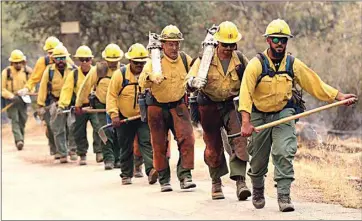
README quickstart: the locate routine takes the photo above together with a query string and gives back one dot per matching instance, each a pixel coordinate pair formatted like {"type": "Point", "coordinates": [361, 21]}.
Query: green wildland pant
{"type": "Point", "coordinates": [70, 136]}
{"type": "Point", "coordinates": [80, 132]}
{"type": "Point", "coordinates": [281, 141]}
{"type": "Point", "coordinates": [126, 134]}
{"type": "Point", "coordinates": [111, 149]}
{"type": "Point", "coordinates": [18, 115]}
{"type": "Point", "coordinates": [58, 124]}
{"type": "Point", "coordinates": [49, 133]}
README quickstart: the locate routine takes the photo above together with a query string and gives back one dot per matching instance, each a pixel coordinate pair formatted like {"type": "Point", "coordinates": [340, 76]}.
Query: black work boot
{"type": "Point", "coordinates": [242, 191]}
{"type": "Point", "coordinates": [258, 198]}
{"type": "Point", "coordinates": [285, 203]}
{"type": "Point", "coordinates": [216, 190]}
{"type": "Point", "coordinates": [187, 183]}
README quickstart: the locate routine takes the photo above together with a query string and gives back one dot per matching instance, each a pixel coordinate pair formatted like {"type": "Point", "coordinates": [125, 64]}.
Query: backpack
{"type": "Point", "coordinates": [296, 101]}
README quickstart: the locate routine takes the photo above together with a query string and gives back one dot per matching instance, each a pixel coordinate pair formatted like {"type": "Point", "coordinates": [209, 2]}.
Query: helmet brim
{"type": "Point", "coordinates": [17, 60]}
{"type": "Point", "coordinates": [83, 56]}
{"type": "Point", "coordinates": [60, 55]}
{"type": "Point", "coordinates": [278, 35]}
{"type": "Point", "coordinates": [139, 59]}
{"type": "Point", "coordinates": [171, 39]}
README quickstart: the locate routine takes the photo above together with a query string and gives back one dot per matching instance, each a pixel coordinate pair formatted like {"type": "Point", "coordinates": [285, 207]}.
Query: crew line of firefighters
{"type": "Point", "coordinates": [135, 106]}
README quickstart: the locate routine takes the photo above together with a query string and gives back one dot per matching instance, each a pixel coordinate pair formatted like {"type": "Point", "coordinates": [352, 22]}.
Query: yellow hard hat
{"type": "Point", "coordinates": [51, 43]}
{"type": "Point", "coordinates": [171, 33]}
{"type": "Point", "coordinates": [227, 33]}
{"type": "Point", "coordinates": [17, 56]}
{"type": "Point", "coordinates": [60, 51]}
{"type": "Point", "coordinates": [137, 52]}
{"type": "Point", "coordinates": [278, 28]}
{"type": "Point", "coordinates": [112, 53]}
{"type": "Point", "coordinates": [83, 52]}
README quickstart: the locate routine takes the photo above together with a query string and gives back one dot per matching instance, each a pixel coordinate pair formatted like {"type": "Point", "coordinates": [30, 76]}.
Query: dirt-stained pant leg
{"type": "Point", "coordinates": [239, 156]}
{"type": "Point", "coordinates": [214, 157]}
{"type": "Point", "coordinates": [72, 146]}
{"type": "Point", "coordinates": [159, 130]}
{"type": "Point", "coordinates": [184, 136]}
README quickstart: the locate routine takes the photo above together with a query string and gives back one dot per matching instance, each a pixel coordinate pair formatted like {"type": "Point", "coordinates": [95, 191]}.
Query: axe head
{"type": "Point", "coordinates": [102, 133]}
{"type": "Point", "coordinates": [26, 99]}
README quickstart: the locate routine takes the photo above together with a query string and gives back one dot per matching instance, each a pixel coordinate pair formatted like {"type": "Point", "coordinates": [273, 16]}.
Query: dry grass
{"type": "Point", "coordinates": [330, 173]}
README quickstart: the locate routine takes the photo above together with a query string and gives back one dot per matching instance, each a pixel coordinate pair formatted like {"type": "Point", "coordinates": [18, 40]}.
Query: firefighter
{"type": "Point", "coordinates": [265, 96]}
{"type": "Point", "coordinates": [67, 99]}
{"type": "Point", "coordinates": [216, 109]}
{"type": "Point", "coordinates": [98, 79]}
{"type": "Point", "coordinates": [167, 110]}
{"type": "Point", "coordinates": [122, 103]}
{"type": "Point", "coordinates": [50, 87]}
{"type": "Point", "coordinates": [13, 78]}
{"type": "Point", "coordinates": [39, 68]}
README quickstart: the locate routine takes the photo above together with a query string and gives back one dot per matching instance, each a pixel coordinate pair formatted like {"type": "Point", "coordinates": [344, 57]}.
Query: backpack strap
{"type": "Point", "coordinates": [10, 78]}
{"type": "Point", "coordinates": [75, 77]}
{"type": "Point", "coordinates": [240, 68]}
{"type": "Point", "coordinates": [184, 61]}
{"type": "Point", "coordinates": [289, 66]}
{"type": "Point", "coordinates": [47, 60]}
{"type": "Point", "coordinates": [26, 73]}
{"type": "Point", "coordinates": [50, 81]}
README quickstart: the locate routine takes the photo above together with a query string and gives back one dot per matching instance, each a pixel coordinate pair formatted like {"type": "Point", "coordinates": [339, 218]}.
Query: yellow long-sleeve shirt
{"type": "Point", "coordinates": [126, 103]}
{"type": "Point", "coordinates": [39, 69]}
{"type": "Point", "coordinates": [16, 81]}
{"type": "Point", "coordinates": [69, 88]}
{"type": "Point", "coordinates": [273, 93]}
{"type": "Point", "coordinates": [173, 88]}
{"type": "Point", "coordinates": [91, 80]}
{"type": "Point", "coordinates": [220, 86]}
{"type": "Point", "coordinates": [57, 83]}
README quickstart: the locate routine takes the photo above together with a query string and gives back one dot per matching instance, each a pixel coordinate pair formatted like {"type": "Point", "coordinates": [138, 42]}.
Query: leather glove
{"type": "Point", "coordinates": [23, 91]}
{"type": "Point", "coordinates": [197, 82]}
{"type": "Point", "coordinates": [156, 78]}
{"type": "Point", "coordinates": [116, 122]}
{"type": "Point", "coordinates": [41, 111]}
{"type": "Point", "coordinates": [78, 111]}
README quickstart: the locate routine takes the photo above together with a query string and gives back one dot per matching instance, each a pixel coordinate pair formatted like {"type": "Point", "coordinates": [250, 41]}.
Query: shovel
{"type": "Point", "coordinates": [297, 116]}
{"type": "Point", "coordinates": [25, 98]}
{"type": "Point", "coordinates": [102, 133]}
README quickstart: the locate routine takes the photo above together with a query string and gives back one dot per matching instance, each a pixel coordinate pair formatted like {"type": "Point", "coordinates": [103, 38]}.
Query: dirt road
{"type": "Point", "coordinates": [36, 187]}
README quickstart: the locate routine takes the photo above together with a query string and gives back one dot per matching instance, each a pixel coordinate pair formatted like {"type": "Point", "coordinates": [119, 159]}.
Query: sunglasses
{"type": "Point", "coordinates": [228, 45]}
{"type": "Point", "coordinates": [60, 59]}
{"type": "Point", "coordinates": [139, 62]}
{"type": "Point", "coordinates": [84, 59]}
{"type": "Point", "coordinates": [276, 40]}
